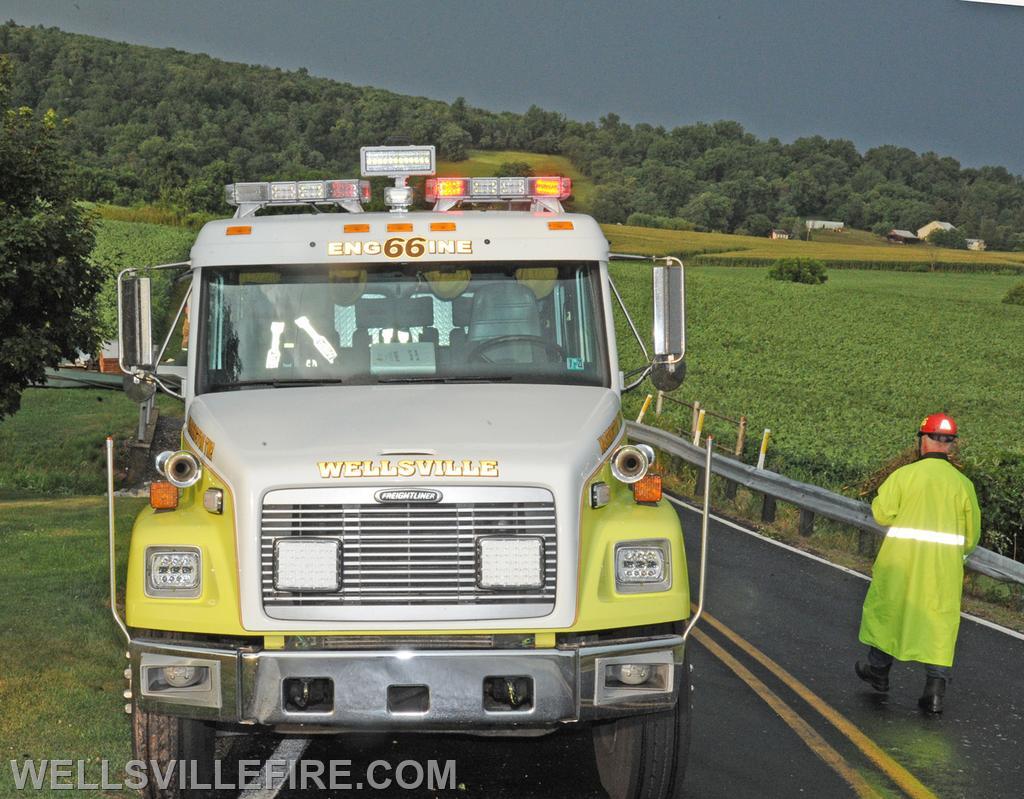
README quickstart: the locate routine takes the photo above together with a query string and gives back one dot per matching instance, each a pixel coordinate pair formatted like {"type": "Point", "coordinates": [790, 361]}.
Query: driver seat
{"type": "Point", "coordinates": [504, 308]}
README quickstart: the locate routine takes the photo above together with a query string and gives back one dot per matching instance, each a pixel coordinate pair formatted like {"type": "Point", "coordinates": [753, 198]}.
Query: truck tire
{"type": "Point", "coordinates": [165, 739]}
{"type": "Point", "coordinates": [644, 757]}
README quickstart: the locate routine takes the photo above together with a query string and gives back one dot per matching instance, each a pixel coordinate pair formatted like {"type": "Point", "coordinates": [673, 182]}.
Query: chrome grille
{"type": "Point", "coordinates": [408, 554]}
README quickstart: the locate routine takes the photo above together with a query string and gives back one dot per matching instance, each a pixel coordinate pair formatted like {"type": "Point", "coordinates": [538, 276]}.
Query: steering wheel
{"type": "Point", "coordinates": [477, 353]}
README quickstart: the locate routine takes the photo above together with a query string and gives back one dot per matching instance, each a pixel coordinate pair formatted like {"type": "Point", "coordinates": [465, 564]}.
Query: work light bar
{"type": "Point", "coordinates": [298, 192]}
{"type": "Point", "coordinates": [494, 189]}
{"type": "Point", "coordinates": [396, 162]}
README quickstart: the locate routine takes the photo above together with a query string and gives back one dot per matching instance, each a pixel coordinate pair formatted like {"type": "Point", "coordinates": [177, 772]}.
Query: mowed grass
{"type": "Point", "coordinates": [61, 675]}
{"type": "Point", "coordinates": [56, 443]}
{"type": "Point", "coordinates": [727, 250]}
{"type": "Point", "coordinates": [485, 163]}
{"type": "Point", "coordinates": [843, 373]}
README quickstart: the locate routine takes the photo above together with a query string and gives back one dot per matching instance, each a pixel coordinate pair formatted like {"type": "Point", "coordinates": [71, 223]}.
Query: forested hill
{"type": "Point", "coordinates": [163, 125]}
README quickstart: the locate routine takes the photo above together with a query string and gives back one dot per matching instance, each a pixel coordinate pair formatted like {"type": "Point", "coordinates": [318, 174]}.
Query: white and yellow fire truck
{"type": "Point", "coordinates": [404, 500]}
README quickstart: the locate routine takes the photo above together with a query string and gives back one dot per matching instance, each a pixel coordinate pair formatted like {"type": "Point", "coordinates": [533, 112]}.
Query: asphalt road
{"type": "Point", "coordinates": [803, 615]}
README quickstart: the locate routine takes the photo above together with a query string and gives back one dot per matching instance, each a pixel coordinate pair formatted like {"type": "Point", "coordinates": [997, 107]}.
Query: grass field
{"type": "Point", "coordinates": [842, 373]}
{"type": "Point", "coordinates": [485, 163]}
{"type": "Point", "coordinates": [728, 250]}
{"type": "Point", "coordinates": [61, 683]}
{"type": "Point", "coordinates": [55, 443]}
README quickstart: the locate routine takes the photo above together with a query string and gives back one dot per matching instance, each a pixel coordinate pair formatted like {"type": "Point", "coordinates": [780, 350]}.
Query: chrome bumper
{"type": "Point", "coordinates": [566, 685]}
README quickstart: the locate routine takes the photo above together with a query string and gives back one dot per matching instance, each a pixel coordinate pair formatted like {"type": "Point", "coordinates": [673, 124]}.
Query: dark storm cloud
{"type": "Point", "coordinates": [943, 75]}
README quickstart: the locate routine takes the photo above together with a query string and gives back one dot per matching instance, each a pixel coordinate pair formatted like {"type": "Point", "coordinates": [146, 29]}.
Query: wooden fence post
{"type": "Point", "coordinates": [659, 403]}
{"type": "Point", "coordinates": [693, 418]}
{"type": "Point", "coordinates": [741, 438]}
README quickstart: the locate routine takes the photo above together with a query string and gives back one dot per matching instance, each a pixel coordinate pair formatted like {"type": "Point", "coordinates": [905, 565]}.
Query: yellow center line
{"type": "Point", "coordinates": [906, 781]}
{"type": "Point", "coordinates": [808, 734]}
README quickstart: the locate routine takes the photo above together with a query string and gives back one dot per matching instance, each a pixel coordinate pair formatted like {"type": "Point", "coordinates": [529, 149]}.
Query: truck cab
{"type": "Point", "coordinates": [404, 499]}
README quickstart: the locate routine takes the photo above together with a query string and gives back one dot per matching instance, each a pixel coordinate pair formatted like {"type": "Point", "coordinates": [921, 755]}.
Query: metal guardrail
{"type": "Point", "coordinates": [809, 498]}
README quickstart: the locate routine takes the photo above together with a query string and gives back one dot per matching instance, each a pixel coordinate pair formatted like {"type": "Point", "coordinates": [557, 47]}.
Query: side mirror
{"type": "Point", "coordinates": [135, 326]}
{"type": "Point", "coordinates": [669, 366]}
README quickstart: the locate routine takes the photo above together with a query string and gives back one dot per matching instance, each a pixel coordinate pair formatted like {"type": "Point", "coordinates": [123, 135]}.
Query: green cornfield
{"type": "Point", "coordinates": [843, 373]}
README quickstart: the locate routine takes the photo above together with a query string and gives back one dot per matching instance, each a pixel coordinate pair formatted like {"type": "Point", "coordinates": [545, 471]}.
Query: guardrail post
{"type": "Point", "coordinates": [768, 509]}
{"type": "Point", "coordinates": [866, 543]}
{"type": "Point", "coordinates": [806, 523]}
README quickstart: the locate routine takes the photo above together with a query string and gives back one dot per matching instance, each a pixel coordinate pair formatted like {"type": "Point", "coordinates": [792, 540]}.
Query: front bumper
{"type": "Point", "coordinates": [565, 685]}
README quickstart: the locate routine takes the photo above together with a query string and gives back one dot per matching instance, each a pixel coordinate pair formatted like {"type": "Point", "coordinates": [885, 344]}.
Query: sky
{"type": "Point", "coordinates": [940, 75]}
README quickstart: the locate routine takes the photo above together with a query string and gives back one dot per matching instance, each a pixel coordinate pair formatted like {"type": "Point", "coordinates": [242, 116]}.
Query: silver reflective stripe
{"type": "Point", "coordinates": [930, 536]}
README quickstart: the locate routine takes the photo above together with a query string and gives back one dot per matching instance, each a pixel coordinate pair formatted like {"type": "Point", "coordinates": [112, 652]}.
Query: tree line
{"type": "Point", "coordinates": [164, 126]}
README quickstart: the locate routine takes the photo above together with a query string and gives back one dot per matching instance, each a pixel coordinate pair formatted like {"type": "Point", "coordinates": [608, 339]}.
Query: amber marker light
{"type": "Point", "coordinates": [163, 495]}
{"type": "Point", "coordinates": [647, 488]}
{"type": "Point", "coordinates": [561, 226]}
{"type": "Point", "coordinates": [437, 226]}
{"type": "Point", "coordinates": [357, 228]}
{"type": "Point", "coordinates": [400, 227]}
{"type": "Point", "coordinates": [238, 230]}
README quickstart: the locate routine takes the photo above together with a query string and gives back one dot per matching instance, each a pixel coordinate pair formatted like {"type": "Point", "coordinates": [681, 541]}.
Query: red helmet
{"type": "Point", "coordinates": [938, 424]}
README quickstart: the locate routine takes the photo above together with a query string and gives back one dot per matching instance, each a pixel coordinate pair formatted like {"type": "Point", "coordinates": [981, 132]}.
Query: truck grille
{"type": "Point", "coordinates": [408, 554]}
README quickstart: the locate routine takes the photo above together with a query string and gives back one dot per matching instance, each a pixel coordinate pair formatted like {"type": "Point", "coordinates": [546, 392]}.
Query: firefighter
{"type": "Point", "coordinates": [912, 610]}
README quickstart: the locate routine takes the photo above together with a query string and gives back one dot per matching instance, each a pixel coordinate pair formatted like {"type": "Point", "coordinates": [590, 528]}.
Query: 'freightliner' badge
{"type": "Point", "coordinates": [432, 467]}
{"type": "Point", "coordinates": [424, 496]}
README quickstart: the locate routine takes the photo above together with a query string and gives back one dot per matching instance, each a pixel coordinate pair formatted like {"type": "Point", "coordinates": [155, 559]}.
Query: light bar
{"type": "Point", "coordinates": [495, 189]}
{"type": "Point", "coordinates": [292, 192]}
{"type": "Point", "coordinates": [549, 187]}
{"type": "Point", "coordinates": [396, 162]}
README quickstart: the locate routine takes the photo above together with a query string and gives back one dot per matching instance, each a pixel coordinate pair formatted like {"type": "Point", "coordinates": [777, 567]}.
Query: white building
{"type": "Point", "coordinates": [821, 224]}
{"type": "Point", "coordinates": [976, 244]}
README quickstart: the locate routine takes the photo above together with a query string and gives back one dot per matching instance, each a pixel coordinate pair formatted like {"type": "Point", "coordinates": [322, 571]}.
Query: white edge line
{"type": "Point", "coordinates": [728, 523]}
{"type": "Point", "coordinates": [289, 750]}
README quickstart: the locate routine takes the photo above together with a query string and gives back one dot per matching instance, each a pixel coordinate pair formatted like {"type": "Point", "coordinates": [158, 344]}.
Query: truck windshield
{"type": "Point", "coordinates": [266, 326]}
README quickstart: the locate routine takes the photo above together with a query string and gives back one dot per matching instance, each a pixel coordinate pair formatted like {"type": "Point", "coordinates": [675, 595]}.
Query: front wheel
{"type": "Point", "coordinates": [160, 740]}
{"type": "Point", "coordinates": [644, 757]}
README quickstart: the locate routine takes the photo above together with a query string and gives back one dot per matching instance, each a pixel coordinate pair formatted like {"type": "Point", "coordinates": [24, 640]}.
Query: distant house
{"type": "Point", "coordinates": [976, 244]}
{"type": "Point", "coordinates": [779, 234]}
{"type": "Point", "coordinates": [822, 224]}
{"type": "Point", "coordinates": [931, 227]}
{"type": "Point", "coordinates": [902, 237]}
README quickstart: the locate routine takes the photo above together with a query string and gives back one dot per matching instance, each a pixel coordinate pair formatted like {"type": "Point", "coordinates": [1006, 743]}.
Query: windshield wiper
{"type": "Point", "coordinates": [494, 379]}
{"type": "Point", "coordinates": [278, 383]}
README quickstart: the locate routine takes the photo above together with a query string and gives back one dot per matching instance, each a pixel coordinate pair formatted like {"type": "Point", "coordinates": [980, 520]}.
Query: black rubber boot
{"type": "Point", "coordinates": [934, 691]}
{"type": "Point", "coordinates": [876, 677]}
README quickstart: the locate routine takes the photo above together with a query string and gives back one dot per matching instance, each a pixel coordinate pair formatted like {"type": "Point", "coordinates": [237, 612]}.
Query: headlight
{"type": "Point", "coordinates": [307, 565]}
{"type": "Point", "coordinates": [642, 566]}
{"type": "Point", "coordinates": [173, 572]}
{"type": "Point", "coordinates": [513, 563]}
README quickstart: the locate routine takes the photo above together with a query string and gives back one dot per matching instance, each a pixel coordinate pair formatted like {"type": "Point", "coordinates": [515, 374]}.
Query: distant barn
{"type": "Point", "coordinates": [779, 234]}
{"type": "Point", "coordinates": [931, 227]}
{"type": "Point", "coordinates": [902, 237]}
{"type": "Point", "coordinates": [976, 244]}
{"type": "Point", "coordinates": [822, 224]}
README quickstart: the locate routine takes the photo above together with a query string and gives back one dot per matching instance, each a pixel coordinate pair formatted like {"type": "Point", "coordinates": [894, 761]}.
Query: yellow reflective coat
{"type": "Point", "coordinates": [912, 610]}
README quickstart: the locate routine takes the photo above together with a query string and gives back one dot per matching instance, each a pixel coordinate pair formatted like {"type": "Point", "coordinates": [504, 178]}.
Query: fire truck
{"type": "Point", "coordinates": [404, 498]}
